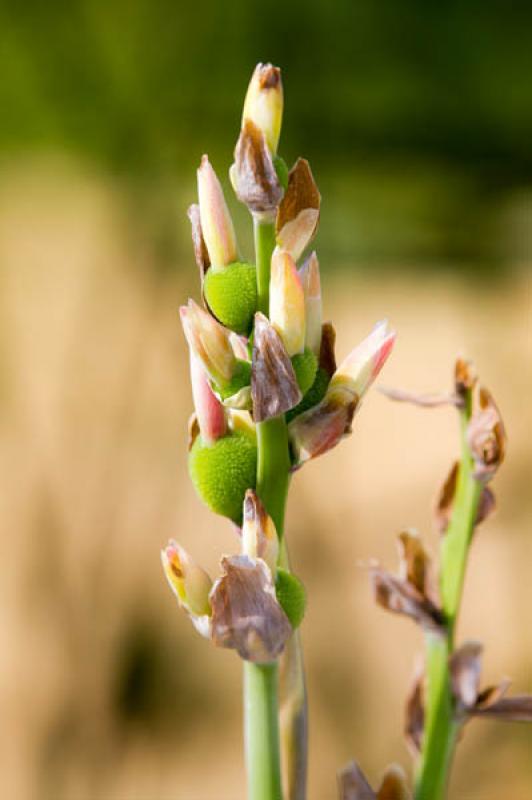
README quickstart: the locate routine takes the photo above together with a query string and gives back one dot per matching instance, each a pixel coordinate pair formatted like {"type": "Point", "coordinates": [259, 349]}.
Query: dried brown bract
{"type": "Point", "coordinates": [299, 212]}
{"type": "Point", "coordinates": [352, 785]}
{"type": "Point", "coordinates": [245, 613]}
{"type": "Point", "coordinates": [465, 377]}
{"type": "Point", "coordinates": [327, 358]}
{"type": "Point", "coordinates": [486, 437]}
{"type": "Point", "coordinates": [415, 713]}
{"type": "Point", "coordinates": [445, 502]}
{"type": "Point", "coordinates": [253, 174]}
{"type": "Point", "coordinates": [274, 388]}
{"type": "Point", "coordinates": [201, 253]}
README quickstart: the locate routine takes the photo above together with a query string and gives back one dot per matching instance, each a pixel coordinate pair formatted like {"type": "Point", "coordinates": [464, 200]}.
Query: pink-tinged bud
{"type": "Point", "coordinates": [259, 536]}
{"type": "Point", "coordinates": [264, 103]}
{"type": "Point", "coordinates": [189, 582]}
{"type": "Point", "coordinates": [209, 341]}
{"type": "Point", "coordinates": [358, 371]}
{"type": "Point", "coordinates": [310, 278]}
{"type": "Point", "coordinates": [287, 302]}
{"type": "Point", "coordinates": [210, 412]}
{"type": "Point", "coordinates": [216, 223]}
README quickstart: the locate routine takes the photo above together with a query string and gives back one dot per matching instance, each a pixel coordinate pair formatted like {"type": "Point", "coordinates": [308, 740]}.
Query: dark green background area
{"type": "Point", "coordinates": [417, 116]}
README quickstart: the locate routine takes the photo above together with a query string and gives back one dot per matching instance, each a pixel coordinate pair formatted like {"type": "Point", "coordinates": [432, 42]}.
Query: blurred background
{"type": "Point", "coordinates": [417, 119]}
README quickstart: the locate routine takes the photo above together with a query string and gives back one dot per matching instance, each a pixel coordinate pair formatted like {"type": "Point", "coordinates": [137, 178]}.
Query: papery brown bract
{"type": "Point", "coordinates": [274, 388]}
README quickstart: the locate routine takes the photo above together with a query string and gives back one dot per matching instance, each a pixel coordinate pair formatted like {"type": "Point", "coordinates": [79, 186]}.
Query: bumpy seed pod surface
{"type": "Point", "coordinates": [291, 596]}
{"type": "Point", "coordinates": [223, 471]}
{"type": "Point", "coordinates": [305, 366]}
{"type": "Point", "coordinates": [231, 294]}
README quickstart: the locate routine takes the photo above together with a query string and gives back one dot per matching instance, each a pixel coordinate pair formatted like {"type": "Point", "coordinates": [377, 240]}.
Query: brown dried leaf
{"type": "Point", "coordinates": [299, 211]}
{"type": "Point", "coordinates": [465, 665]}
{"type": "Point", "coordinates": [254, 177]}
{"type": "Point", "coordinates": [274, 387]}
{"type": "Point", "coordinates": [327, 359]}
{"type": "Point", "coordinates": [201, 253]}
{"type": "Point", "coordinates": [394, 785]}
{"type": "Point", "coordinates": [352, 784]}
{"type": "Point", "coordinates": [245, 613]}
{"type": "Point", "coordinates": [415, 714]}
{"type": "Point", "coordinates": [486, 437]}
{"type": "Point", "coordinates": [400, 597]}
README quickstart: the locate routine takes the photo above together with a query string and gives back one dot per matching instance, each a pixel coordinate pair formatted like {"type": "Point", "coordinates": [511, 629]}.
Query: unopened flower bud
{"type": "Point", "coordinates": [189, 582]}
{"type": "Point", "coordinates": [210, 412]}
{"type": "Point", "coordinates": [310, 278]}
{"type": "Point", "coordinates": [287, 302]}
{"type": "Point", "coordinates": [264, 103]}
{"type": "Point", "coordinates": [216, 223]}
{"type": "Point", "coordinates": [209, 341]}
{"type": "Point", "coordinates": [358, 371]}
{"type": "Point", "coordinates": [259, 536]}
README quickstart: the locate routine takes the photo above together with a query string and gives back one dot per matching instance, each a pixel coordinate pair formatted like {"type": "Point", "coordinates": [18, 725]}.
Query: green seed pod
{"type": "Point", "coordinates": [231, 293]}
{"type": "Point", "coordinates": [223, 471]}
{"type": "Point", "coordinates": [241, 378]}
{"type": "Point", "coordinates": [291, 596]}
{"type": "Point", "coordinates": [315, 394]}
{"type": "Point", "coordinates": [305, 365]}
{"type": "Point", "coordinates": [282, 171]}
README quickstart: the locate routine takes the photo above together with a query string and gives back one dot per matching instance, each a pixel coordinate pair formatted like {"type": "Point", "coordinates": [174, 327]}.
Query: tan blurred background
{"type": "Point", "coordinates": [419, 134]}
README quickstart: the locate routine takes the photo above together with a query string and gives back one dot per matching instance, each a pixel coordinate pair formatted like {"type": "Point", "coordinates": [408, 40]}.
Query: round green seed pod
{"type": "Point", "coordinates": [231, 293]}
{"type": "Point", "coordinates": [223, 471]}
{"type": "Point", "coordinates": [291, 596]}
{"type": "Point", "coordinates": [305, 366]}
{"type": "Point", "coordinates": [315, 394]}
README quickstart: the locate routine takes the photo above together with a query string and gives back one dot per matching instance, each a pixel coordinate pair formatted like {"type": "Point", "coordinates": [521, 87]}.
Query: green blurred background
{"type": "Point", "coordinates": [417, 119]}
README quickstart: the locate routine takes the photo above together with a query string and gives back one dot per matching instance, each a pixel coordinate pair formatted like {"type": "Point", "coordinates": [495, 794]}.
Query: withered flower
{"type": "Point", "coordinates": [352, 784]}
{"type": "Point", "coordinates": [253, 174]}
{"type": "Point", "coordinates": [465, 666]}
{"type": "Point", "coordinates": [465, 377]}
{"type": "Point", "coordinates": [486, 437]}
{"type": "Point", "coordinates": [245, 613]}
{"type": "Point", "coordinates": [412, 593]}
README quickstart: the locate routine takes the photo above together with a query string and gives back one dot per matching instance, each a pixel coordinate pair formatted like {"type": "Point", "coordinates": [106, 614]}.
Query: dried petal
{"type": "Point", "coordinates": [445, 502]}
{"type": "Point", "coordinates": [352, 785]}
{"type": "Point", "coordinates": [201, 253]}
{"type": "Point", "coordinates": [299, 212]}
{"type": "Point", "coordinates": [394, 785]}
{"type": "Point", "coordinates": [210, 414]}
{"type": "Point", "coordinates": [320, 429]}
{"type": "Point", "coordinates": [209, 341]}
{"type": "Point", "coordinates": [264, 103]}
{"type": "Point", "coordinates": [216, 223]}
{"type": "Point", "coordinates": [486, 437]}
{"type": "Point", "coordinates": [274, 388]}
{"type": "Point", "coordinates": [508, 709]}
{"type": "Point", "coordinates": [401, 597]}
{"type": "Point", "coordinates": [358, 371]}
{"type": "Point", "coordinates": [492, 695]}
{"type": "Point", "coordinates": [415, 714]}
{"type": "Point", "coordinates": [310, 279]}
{"type": "Point", "coordinates": [253, 174]}
{"type": "Point", "coordinates": [259, 536]}
{"type": "Point", "coordinates": [414, 563]}
{"type": "Point", "coordinates": [245, 613]}
{"type": "Point", "coordinates": [287, 302]}
{"type": "Point", "coordinates": [465, 665]}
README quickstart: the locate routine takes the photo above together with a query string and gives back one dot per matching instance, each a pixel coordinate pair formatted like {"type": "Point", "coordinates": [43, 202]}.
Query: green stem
{"type": "Point", "coordinates": [261, 702]}
{"type": "Point", "coordinates": [261, 714]}
{"type": "Point", "coordinates": [441, 729]}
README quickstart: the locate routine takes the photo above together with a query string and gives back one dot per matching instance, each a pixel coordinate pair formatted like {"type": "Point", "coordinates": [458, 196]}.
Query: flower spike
{"type": "Point", "coordinates": [264, 103]}
{"type": "Point", "coordinates": [216, 224]}
{"type": "Point", "coordinates": [287, 302]}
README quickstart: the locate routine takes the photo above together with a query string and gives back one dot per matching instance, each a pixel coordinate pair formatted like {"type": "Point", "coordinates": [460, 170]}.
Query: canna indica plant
{"type": "Point", "coordinates": [268, 397]}
{"type": "Point", "coordinates": [446, 693]}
